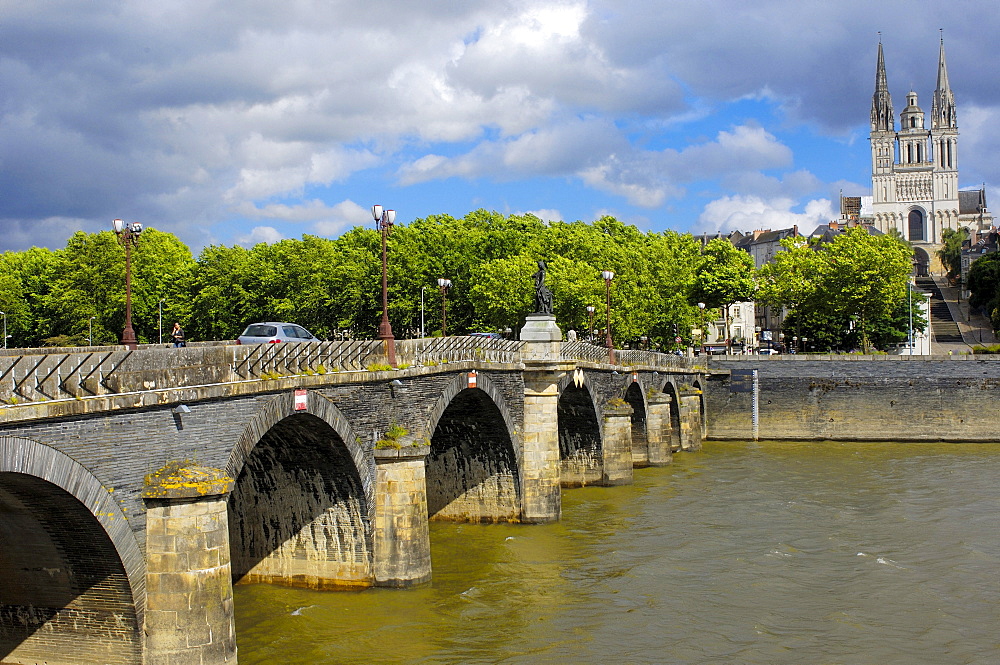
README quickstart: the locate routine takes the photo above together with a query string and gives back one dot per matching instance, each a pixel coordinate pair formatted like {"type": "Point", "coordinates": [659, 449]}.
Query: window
{"type": "Point", "coordinates": [916, 225]}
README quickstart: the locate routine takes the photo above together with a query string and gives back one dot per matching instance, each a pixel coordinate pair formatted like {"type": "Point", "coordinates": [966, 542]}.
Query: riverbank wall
{"type": "Point", "coordinates": [857, 398]}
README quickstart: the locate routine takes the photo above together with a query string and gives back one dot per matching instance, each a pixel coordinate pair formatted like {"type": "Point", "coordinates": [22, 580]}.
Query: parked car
{"type": "Point", "coordinates": [486, 334]}
{"type": "Point", "coordinates": [272, 332]}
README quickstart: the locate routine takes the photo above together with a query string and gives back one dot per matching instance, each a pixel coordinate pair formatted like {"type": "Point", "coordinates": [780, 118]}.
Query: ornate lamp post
{"type": "Point", "coordinates": [444, 285]}
{"type": "Point", "coordinates": [590, 316]}
{"type": "Point", "coordinates": [384, 220]}
{"type": "Point", "coordinates": [128, 236]}
{"type": "Point", "coordinates": [608, 276]}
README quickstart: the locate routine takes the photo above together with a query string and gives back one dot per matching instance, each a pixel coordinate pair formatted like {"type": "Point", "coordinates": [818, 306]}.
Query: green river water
{"type": "Point", "coordinates": [744, 553]}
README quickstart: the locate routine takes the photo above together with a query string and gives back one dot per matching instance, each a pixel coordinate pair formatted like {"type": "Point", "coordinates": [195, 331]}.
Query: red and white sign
{"type": "Point", "coordinates": [635, 377]}
{"type": "Point", "coordinates": [301, 403]}
{"type": "Point", "coordinates": [472, 379]}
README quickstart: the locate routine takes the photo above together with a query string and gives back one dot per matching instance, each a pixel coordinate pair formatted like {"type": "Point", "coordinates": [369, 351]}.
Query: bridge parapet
{"type": "Point", "coordinates": [72, 374]}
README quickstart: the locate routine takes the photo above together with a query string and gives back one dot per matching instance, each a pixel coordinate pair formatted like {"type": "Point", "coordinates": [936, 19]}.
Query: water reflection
{"type": "Point", "coordinates": [743, 553]}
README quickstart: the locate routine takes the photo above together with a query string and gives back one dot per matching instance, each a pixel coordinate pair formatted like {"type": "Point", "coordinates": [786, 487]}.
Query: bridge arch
{"type": "Point", "coordinates": [85, 586]}
{"type": "Point", "coordinates": [300, 513]}
{"type": "Point", "coordinates": [580, 437]}
{"type": "Point", "coordinates": [635, 397]}
{"type": "Point", "coordinates": [474, 468]}
{"type": "Point", "coordinates": [670, 388]}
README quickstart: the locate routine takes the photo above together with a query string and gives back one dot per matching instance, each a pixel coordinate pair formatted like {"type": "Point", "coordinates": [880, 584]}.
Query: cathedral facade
{"type": "Point", "coordinates": [915, 170]}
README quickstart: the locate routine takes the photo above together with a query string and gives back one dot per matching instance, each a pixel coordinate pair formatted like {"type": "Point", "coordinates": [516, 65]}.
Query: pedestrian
{"type": "Point", "coordinates": [177, 334]}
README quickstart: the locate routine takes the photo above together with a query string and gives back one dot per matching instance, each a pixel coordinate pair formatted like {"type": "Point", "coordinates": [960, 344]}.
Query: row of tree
{"type": "Point", "coordinates": [332, 286]}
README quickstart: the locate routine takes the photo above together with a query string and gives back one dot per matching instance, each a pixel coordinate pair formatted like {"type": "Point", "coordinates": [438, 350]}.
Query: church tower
{"type": "Point", "coordinates": [915, 168]}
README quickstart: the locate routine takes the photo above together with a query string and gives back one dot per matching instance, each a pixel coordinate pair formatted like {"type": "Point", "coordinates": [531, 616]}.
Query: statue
{"type": "Point", "coordinates": [543, 297]}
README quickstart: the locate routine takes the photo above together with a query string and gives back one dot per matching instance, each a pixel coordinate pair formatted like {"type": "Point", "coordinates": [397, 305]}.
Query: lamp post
{"type": "Point", "coordinates": [159, 318]}
{"type": "Point", "coordinates": [805, 349]}
{"type": "Point", "coordinates": [608, 276]}
{"type": "Point", "coordinates": [909, 334]}
{"type": "Point", "coordinates": [90, 331]}
{"type": "Point", "coordinates": [384, 220]}
{"type": "Point", "coordinates": [590, 316]}
{"type": "Point", "coordinates": [422, 288]}
{"type": "Point", "coordinates": [4, 329]}
{"type": "Point", "coordinates": [444, 285]}
{"type": "Point", "coordinates": [128, 236]}
{"type": "Point", "coordinates": [704, 333]}
{"type": "Point", "coordinates": [795, 343]}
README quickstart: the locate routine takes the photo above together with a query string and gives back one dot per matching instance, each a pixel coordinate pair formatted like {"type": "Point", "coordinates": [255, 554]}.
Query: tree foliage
{"type": "Point", "coordinates": [333, 286]}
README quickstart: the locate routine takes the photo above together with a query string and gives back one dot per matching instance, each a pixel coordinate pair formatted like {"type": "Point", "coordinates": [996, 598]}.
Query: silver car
{"type": "Point", "coordinates": [272, 332]}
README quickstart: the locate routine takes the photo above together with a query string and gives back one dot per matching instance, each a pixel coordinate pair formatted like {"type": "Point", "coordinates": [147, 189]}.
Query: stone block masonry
{"type": "Point", "coordinates": [880, 398]}
{"type": "Point", "coordinates": [189, 590]}
{"type": "Point", "coordinates": [402, 544]}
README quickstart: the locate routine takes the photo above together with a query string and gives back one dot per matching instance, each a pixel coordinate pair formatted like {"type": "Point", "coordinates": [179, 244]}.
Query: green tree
{"type": "Point", "coordinates": [951, 253]}
{"type": "Point", "coordinates": [724, 276]}
{"type": "Point", "coordinates": [984, 285]}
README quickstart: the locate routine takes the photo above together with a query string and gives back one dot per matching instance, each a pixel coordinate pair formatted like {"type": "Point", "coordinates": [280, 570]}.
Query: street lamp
{"type": "Point", "coordinates": [159, 318]}
{"type": "Point", "coordinates": [128, 236]}
{"type": "Point", "coordinates": [608, 276]}
{"type": "Point", "coordinates": [384, 220]}
{"type": "Point", "coordinates": [704, 333]}
{"type": "Point", "coordinates": [444, 285]}
{"type": "Point", "coordinates": [590, 316]}
{"type": "Point", "coordinates": [4, 329]}
{"type": "Point", "coordinates": [90, 331]}
{"type": "Point", "coordinates": [422, 288]}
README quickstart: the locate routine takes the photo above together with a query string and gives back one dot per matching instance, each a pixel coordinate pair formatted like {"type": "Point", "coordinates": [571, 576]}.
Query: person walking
{"type": "Point", "coordinates": [177, 334]}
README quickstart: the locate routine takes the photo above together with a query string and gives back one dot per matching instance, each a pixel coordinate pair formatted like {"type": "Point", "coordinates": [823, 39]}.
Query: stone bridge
{"type": "Point", "coordinates": [137, 486]}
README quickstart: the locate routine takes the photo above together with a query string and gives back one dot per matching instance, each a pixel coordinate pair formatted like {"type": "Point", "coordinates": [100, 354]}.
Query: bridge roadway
{"type": "Point", "coordinates": [137, 486]}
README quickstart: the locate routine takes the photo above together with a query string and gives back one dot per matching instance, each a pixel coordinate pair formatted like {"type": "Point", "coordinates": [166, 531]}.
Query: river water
{"type": "Point", "coordinates": [769, 553]}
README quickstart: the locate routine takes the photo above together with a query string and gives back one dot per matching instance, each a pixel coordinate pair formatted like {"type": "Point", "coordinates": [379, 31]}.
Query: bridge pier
{"type": "Point", "coordinates": [402, 544]}
{"type": "Point", "coordinates": [690, 413]}
{"type": "Point", "coordinates": [541, 496]}
{"type": "Point", "coordinates": [617, 445]}
{"type": "Point", "coordinates": [658, 429]}
{"type": "Point", "coordinates": [189, 587]}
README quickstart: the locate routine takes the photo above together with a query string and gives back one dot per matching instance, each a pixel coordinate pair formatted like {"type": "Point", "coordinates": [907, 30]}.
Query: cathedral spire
{"type": "Point", "coordinates": [943, 107]}
{"type": "Point", "coordinates": [883, 118]}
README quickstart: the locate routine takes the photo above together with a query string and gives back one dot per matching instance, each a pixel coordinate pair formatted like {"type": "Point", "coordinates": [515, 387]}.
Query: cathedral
{"type": "Point", "coordinates": [915, 171]}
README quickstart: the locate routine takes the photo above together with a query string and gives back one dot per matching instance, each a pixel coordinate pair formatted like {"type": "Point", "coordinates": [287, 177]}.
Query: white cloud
{"type": "Point", "coordinates": [259, 234]}
{"type": "Point", "coordinates": [545, 214]}
{"type": "Point", "coordinates": [266, 107]}
{"type": "Point", "coordinates": [750, 213]}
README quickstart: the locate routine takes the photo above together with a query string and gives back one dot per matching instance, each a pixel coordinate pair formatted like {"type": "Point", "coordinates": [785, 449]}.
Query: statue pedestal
{"type": "Point", "coordinates": [540, 328]}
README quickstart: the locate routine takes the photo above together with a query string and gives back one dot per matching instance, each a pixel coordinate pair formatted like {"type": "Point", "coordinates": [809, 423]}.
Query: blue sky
{"type": "Point", "coordinates": [253, 120]}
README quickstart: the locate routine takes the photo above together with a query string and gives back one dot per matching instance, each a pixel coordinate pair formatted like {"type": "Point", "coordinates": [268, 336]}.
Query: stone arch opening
{"type": "Point", "coordinates": [299, 514]}
{"type": "Point", "coordinates": [66, 592]}
{"type": "Point", "coordinates": [472, 468]}
{"type": "Point", "coordinates": [580, 448]}
{"type": "Point", "coordinates": [675, 415]}
{"type": "Point", "coordinates": [640, 443]}
{"type": "Point", "coordinates": [915, 225]}
{"type": "Point", "coordinates": [921, 262]}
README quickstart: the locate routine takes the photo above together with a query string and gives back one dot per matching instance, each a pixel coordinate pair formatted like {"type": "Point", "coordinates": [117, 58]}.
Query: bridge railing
{"type": "Point", "coordinates": [79, 373]}
{"type": "Point", "coordinates": [435, 350]}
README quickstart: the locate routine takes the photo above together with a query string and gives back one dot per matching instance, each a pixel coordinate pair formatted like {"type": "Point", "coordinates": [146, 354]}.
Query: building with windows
{"type": "Point", "coordinates": [915, 171]}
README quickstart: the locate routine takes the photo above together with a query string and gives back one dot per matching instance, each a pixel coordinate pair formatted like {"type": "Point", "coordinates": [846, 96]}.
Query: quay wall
{"type": "Point", "coordinates": [857, 398]}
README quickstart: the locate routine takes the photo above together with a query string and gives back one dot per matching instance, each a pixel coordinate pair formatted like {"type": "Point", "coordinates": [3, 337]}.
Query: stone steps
{"type": "Point", "coordinates": [943, 325]}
